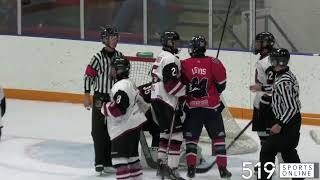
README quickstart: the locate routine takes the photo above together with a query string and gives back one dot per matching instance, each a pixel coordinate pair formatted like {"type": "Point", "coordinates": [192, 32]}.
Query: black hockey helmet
{"type": "Point", "coordinates": [279, 56]}
{"type": "Point", "coordinates": [168, 39]}
{"type": "Point", "coordinates": [197, 45]}
{"type": "Point", "coordinates": [108, 31]}
{"type": "Point", "coordinates": [121, 63]}
{"type": "Point", "coordinates": [267, 41]}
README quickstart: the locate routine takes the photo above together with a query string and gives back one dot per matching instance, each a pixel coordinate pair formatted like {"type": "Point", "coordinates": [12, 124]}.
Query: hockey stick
{"type": "Point", "coordinates": [204, 170]}
{"type": "Point", "coordinates": [146, 151]}
{"type": "Point", "coordinates": [171, 130]}
{"type": "Point", "coordinates": [315, 136]}
{"type": "Point", "coordinates": [224, 28]}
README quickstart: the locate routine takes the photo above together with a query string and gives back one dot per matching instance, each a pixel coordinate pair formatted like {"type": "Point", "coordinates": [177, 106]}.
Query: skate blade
{"type": "Point", "coordinates": [103, 174]}
{"type": "Point", "coordinates": [99, 173]}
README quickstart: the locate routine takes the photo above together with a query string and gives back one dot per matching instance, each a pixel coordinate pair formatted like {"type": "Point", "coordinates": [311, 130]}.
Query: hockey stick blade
{"type": "Point", "coordinates": [146, 151]}
{"type": "Point", "coordinates": [315, 136]}
{"type": "Point", "coordinates": [206, 169]}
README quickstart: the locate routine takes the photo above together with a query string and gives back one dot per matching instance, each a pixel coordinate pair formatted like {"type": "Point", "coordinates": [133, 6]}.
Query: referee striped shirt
{"type": "Point", "coordinates": [98, 72]}
{"type": "Point", "coordinates": [285, 96]}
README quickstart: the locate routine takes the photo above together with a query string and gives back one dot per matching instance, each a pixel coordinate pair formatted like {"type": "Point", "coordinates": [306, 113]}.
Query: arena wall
{"type": "Point", "coordinates": [52, 70]}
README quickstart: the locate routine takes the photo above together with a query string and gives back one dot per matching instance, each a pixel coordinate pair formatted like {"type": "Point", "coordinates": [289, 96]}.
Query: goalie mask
{"type": "Point", "coordinates": [264, 40]}
{"type": "Point", "coordinates": [169, 41]}
{"type": "Point", "coordinates": [197, 46]}
{"type": "Point", "coordinates": [109, 36]}
{"type": "Point", "coordinates": [279, 57]}
{"type": "Point", "coordinates": [120, 67]}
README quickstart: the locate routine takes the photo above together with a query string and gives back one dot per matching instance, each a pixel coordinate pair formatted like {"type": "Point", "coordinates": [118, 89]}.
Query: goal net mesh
{"type": "Point", "coordinates": [140, 74]}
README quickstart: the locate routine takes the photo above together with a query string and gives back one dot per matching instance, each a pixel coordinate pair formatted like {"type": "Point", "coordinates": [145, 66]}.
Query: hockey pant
{"type": "Point", "coordinates": [125, 156]}
{"type": "Point", "coordinates": [99, 132]}
{"type": "Point", "coordinates": [285, 142]}
{"type": "Point", "coordinates": [213, 122]}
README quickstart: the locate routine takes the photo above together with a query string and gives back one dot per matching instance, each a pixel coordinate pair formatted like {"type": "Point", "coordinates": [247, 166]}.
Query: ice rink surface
{"type": "Point", "coordinates": [52, 141]}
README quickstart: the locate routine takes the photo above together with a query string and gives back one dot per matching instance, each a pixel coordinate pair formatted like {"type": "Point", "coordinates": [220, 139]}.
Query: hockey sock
{"type": "Point", "coordinates": [135, 169]}
{"type": "Point", "coordinates": [163, 144]}
{"type": "Point", "coordinates": [220, 149]}
{"type": "Point", "coordinates": [174, 150]}
{"type": "Point", "coordinates": [123, 172]}
{"type": "Point", "coordinates": [191, 151]}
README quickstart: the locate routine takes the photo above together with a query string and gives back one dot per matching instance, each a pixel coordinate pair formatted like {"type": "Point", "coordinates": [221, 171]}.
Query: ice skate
{"type": "Point", "coordinates": [191, 172]}
{"type": "Point", "coordinates": [99, 169]}
{"type": "Point", "coordinates": [172, 173]}
{"type": "Point", "coordinates": [224, 173]}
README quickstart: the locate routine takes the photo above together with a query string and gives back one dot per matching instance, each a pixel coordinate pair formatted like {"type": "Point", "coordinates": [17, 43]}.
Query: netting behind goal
{"type": "Point", "coordinates": [140, 74]}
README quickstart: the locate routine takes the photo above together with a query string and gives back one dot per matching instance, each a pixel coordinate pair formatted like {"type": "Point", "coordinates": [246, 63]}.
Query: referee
{"type": "Point", "coordinates": [285, 131]}
{"type": "Point", "coordinates": [98, 75]}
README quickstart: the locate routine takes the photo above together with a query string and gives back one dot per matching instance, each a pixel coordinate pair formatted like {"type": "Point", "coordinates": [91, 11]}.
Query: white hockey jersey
{"type": "Point", "coordinates": [120, 123]}
{"type": "Point", "coordinates": [261, 76]}
{"type": "Point", "coordinates": [166, 85]}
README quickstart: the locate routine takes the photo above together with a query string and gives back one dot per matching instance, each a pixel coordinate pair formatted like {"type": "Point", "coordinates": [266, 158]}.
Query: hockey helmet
{"type": "Point", "coordinates": [279, 57]}
{"type": "Point", "coordinates": [266, 40]}
{"type": "Point", "coordinates": [168, 39]}
{"type": "Point", "coordinates": [108, 31]}
{"type": "Point", "coordinates": [197, 45]}
{"type": "Point", "coordinates": [121, 66]}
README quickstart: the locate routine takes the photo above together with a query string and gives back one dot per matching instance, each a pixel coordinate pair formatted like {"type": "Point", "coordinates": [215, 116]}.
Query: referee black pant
{"type": "Point", "coordinates": [99, 132]}
{"type": "Point", "coordinates": [285, 142]}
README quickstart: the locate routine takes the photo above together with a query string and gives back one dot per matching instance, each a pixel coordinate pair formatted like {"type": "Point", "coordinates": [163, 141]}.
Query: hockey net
{"type": "Point", "coordinates": [140, 74]}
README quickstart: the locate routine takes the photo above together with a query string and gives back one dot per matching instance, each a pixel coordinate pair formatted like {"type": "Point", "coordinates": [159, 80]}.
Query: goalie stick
{"type": "Point", "coordinates": [206, 169]}
{"type": "Point", "coordinates": [146, 151]}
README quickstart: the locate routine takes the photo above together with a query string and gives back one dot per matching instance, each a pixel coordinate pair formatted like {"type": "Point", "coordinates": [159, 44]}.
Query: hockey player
{"type": "Point", "coordinates": [264, 44]}
{"type": "Point", "coordinates": [206, 77]}
{"type": "Point", "coordinates": [285, 131]}
{"type": "Point", "coordinates": [165, 91]}
{"type": "Point", "coordinates": [125, 117]}
{"type": "Point", "coordinates": [2, 108]}
{"type": "Point", "coordinates": [262, 112]}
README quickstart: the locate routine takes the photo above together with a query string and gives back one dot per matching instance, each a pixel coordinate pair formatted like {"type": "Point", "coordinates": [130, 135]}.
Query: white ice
{"type": "Point", "coordinates": [52, 141]}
